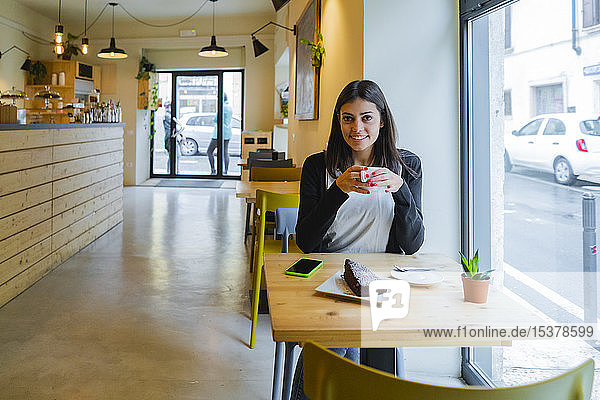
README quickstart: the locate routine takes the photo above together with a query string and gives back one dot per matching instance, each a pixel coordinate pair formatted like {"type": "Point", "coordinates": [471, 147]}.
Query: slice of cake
{"type": "Point", "coordinates": [358, 277]}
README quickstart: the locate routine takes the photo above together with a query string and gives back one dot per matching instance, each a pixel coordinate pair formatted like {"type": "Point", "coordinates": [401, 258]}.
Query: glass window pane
{"type": "Point", "coordinates": [527, 218]}
{"type": "Point", "coordinates": [162, 123]}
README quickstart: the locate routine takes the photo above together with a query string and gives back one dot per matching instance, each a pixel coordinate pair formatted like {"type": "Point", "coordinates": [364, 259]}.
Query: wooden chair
{"type": "Point", "coordinates": [267, 174]}
{"type": "Point", "coordinates": [327, 376]}
{"type": "Point", "coordinates": [267, 201]}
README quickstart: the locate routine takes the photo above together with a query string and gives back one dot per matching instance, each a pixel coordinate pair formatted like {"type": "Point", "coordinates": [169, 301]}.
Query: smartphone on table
{"type": "Point", "coordinates": [304, 267]}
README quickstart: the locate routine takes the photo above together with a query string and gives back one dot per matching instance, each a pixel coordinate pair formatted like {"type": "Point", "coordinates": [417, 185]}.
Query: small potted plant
{"type": "Point", "coordinates": [475, 284]}
{"type": "Point", "coordinates": [38, 72]}
{"type": "Point", "coordinates": [318, 51]}
{"type": "Point", "coordinates": [70, 47]}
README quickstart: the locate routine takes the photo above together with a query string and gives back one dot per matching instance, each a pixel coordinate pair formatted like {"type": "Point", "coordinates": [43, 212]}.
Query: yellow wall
{"type": "Point", "coordinates": [342, 28]}
{"type": "Point", "coordinates": [13, 19]}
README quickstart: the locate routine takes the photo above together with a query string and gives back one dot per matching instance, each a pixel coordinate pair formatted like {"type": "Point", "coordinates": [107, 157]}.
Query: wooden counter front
{"type": "Point", "coordinates": [60, 189]}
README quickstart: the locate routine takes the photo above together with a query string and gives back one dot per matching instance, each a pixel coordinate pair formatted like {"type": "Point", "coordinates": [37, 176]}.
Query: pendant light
{"type": "Point", "coordinates": [213, 50]}
{"type": "Point", "coordinates": [59, 30]}
{"type": "Point", "coordinates": [84, 40]}
{"type": "Point", "coordinates": [112, 51]}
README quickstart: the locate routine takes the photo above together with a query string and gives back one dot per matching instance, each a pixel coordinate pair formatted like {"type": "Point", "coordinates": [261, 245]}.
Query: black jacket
{"type": "Point", "coordinates": [318, 207]}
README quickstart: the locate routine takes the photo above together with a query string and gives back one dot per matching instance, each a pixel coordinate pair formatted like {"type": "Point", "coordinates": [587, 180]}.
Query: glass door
{"type": "Point", "coordinates": [201, 122]}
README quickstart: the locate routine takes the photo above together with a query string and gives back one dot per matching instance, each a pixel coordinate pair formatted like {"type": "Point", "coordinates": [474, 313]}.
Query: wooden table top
{"type": "Point", "coordinates": [298, 313]}
{"type": "Point", "coordinates": [247, 189]}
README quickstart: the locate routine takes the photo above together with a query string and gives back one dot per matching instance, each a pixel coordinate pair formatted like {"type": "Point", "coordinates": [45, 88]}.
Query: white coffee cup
{"type": "Point", "coordinates": [369, 171]}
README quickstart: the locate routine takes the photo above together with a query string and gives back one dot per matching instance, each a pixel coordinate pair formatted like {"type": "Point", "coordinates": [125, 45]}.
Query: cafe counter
{"type": "Point", "coordinates": [61, 187]}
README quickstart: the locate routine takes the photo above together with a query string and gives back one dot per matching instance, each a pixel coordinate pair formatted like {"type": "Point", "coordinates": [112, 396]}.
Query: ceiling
{"type": "Point", "coordinates": [153, 11]}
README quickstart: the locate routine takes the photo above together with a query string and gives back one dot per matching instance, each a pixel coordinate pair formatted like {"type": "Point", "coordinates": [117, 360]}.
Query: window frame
{"type": "Point", "coordinates": [469, 10]}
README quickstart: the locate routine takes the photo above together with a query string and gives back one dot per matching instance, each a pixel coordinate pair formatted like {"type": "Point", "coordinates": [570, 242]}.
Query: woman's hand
{"type": "Point", "coordinates": [349, 181]}
{"type": "Point", "coordinates": [388, 179]}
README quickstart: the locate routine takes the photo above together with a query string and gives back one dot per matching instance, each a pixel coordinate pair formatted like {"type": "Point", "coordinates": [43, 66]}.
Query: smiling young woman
{"type": "Point", "coordinates": [339, 211]}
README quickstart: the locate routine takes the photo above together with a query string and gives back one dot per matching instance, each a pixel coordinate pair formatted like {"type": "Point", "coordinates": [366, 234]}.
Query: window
{"type": "Point", "coordinates": [508, 102]}
{"type": "Point", "coordinates": [508, 27]}
{"type": "Point", "coordinates": [591, 13]}
{"type": "Point", "coordinates": [590, 127]}
{"type": "Point", "coordinates": [555, 127]}
{"type": "Point", "coordinates": [531, 128]}
{"type": "Point", "coordinates": [549, 99]}
{"type": "Point", "coordinates": [527, 227]}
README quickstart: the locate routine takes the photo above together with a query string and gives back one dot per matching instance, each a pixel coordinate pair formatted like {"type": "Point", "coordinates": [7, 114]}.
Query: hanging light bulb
{"type": "Point", "coordinates": [112, 51]}
{"type": "Point", "coordinates": [59, 30]}
{"type": "Point", "coordinates": [84, 40]}
{"type": "Point", "coordinates": [59, 49]}
{"type": "Point", "coordinates": [84, 45]}
{"type": "Point", "coordinates": [213, 50]}
{"type": "Point", "coordinates": [58, 33]}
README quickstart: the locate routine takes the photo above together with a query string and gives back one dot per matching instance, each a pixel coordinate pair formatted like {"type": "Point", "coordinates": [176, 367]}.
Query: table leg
{"type": "Point", "coordinates": [400, 367]}
{"type": "Point", "coordinates": [288, 372]}
{"type": "Point", "coordinates": [279, 349]}
{"type": "Point", "coordinates": [381, 359]}
{"type": "Point", "coordinates": [247, 229]}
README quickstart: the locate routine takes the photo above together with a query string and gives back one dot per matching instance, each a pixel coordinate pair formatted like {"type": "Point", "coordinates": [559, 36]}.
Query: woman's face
{"type": "Point", "coordinates": [360, 122]}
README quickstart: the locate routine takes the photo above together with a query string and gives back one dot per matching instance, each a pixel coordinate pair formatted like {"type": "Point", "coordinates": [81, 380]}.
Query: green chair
{"type": "Point", "coordinates": [267, 201]}
{"type": "Point", "coordinates": [327, 376]}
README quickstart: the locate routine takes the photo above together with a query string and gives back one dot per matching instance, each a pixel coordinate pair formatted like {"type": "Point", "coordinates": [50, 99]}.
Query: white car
{"type": "Point", "coordinates": [199, 130]}
{"type": "Point", "coordinates": [566, 144]}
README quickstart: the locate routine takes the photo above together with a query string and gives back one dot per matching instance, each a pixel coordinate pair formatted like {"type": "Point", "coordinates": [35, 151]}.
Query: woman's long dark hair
{"type": "Point", "coordinates": [338, 156]}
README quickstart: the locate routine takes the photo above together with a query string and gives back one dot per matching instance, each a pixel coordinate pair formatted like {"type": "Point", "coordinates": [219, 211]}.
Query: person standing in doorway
{"type": "Point", "coordinates": [227, 114]}
{"type": "Point", "coordinates": [167, 128]}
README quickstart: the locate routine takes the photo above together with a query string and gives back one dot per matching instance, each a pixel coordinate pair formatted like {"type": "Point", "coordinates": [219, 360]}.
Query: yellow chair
{"type": "Point", "coordinates": [267, 201]}
{"type": "Point", "coordinates": [268, 174]}
{"type": "Point", "coordinates": [327, 376]}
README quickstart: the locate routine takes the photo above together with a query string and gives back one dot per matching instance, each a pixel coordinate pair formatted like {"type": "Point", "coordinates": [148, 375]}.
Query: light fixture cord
{"type": "Point", "coordinates": [85, 20]}
{"type": "Point", "coordinates": [59, 9]}
{"type": "Point", "coordinates": [213, 19]}
{"type": "Point", "coordinates": [113, 22]}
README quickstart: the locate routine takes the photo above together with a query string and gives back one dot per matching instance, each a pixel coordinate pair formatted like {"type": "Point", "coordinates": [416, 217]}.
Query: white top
{"type": "Point", "coordinates": [362, 224]}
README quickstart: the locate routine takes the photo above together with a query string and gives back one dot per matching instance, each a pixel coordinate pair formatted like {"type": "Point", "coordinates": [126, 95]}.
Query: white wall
{"type": "Point", "coordinates": [15, 18]}
{"type": "Point", "coordinates": [411, 51]}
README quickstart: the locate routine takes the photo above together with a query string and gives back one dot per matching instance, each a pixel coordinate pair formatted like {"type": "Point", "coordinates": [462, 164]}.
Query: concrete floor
{"type": "Point", "coordinates": [157, 308]}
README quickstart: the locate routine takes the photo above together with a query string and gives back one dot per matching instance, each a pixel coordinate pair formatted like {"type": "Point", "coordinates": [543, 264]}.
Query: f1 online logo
{"type": "Point", "coordinates": [389, 299]}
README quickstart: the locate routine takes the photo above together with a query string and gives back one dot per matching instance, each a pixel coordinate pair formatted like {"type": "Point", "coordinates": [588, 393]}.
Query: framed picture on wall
{"type": "Point", "coordinates": [306, 105]}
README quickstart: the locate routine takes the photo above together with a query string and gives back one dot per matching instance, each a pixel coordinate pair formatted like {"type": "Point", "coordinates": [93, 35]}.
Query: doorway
{"type": "Point", "coordinates": [198, 124]}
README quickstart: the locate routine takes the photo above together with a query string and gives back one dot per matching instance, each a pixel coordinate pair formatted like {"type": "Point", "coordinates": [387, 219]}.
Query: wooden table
{"type": "Point", "coordinates": [247, 189]}
{"type": "Point", "coordinates": [298, 313]}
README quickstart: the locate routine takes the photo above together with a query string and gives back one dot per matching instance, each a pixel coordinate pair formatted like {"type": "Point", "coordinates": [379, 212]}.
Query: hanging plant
{"type": "Point", "coordinates": [144, 69]}
{"type": "Point", "coordinates": [318, 51]}
{"type": "Point", "coordinates": [70, 46]}
{"type": "Point", "coordinates": [154, 96]}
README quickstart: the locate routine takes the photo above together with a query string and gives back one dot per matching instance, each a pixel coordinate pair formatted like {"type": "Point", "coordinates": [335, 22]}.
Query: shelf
{"type": "Point", "coordinates": [51, 86]}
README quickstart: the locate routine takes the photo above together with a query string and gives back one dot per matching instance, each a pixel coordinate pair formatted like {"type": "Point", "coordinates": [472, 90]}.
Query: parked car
{"type": "Point", "coordinates": [567, 145]}
{"type": "Point", "coordinates": [199, 130]}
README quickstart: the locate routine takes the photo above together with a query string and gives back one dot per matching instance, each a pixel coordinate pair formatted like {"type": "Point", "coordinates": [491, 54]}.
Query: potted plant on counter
{"type": "Point", "coordinates": [38, 72]}
{"type": "Point", "coordinates": [475, 284]}
{"type": "Point", "coordinates": [71, 48]}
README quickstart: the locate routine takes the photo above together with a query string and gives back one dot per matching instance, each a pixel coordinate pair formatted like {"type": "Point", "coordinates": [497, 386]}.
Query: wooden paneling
{"type": "Point", "coordinates": [59, 191]}
{"type": "Point", "coordinates": [24, 159]}
{"type": "Point", "coordinates": [20, 221]}
{"type": "Point", "coordinates": [20, 140]}
{"type": "Point", "coordinates": [79, 135]}
{"type": "Point", "coordinates": [15, 181]}
{"type": "Point", "coordinates": [79, 150]}
{"type": "Point", "coordinates": [74, 167]}
{"type": "Point", "coordinates": [68, 185]}
{"type": "Point", "coordinates": [20, 262]}
{"type": "Point", "coordinates": [19, 283]}
{"type": "Point", "coordinates": [63, 203]}
{"type": "Point", "coordinates": [17, 243]}
{"type": "Point", "coordinates": [18, 201]}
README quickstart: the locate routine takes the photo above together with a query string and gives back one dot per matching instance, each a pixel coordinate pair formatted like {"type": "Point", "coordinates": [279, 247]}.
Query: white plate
{"type": "Point", "coordinates": [335, 285]}
{"type": "Point", "coordinates": [419, 278]}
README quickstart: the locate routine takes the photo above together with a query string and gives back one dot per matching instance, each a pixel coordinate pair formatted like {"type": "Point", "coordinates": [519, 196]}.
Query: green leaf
{"type": "Point", "coordinates": [465, 263]}
{"type": "Point", "coordinates": [476, 261]}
